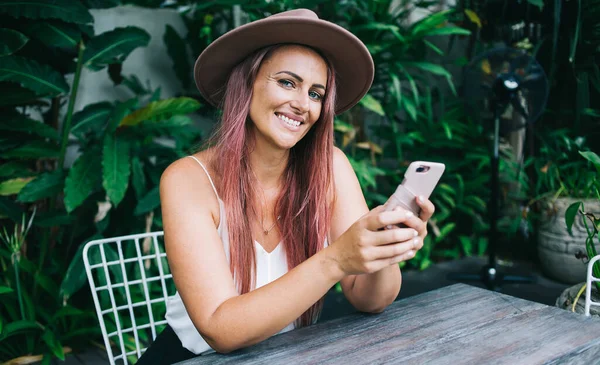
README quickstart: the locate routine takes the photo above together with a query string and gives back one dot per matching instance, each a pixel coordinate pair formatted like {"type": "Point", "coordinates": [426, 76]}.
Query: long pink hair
{"type": "Point", "coordinates": [304, 214]}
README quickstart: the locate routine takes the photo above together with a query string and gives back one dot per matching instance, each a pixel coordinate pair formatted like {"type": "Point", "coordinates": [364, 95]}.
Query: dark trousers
{"type": "Point", "coordinates": [166, 349]}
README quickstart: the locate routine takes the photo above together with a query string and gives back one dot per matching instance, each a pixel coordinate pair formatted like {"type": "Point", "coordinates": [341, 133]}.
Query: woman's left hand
{"type": "Point", "coordinates": [420, 223]}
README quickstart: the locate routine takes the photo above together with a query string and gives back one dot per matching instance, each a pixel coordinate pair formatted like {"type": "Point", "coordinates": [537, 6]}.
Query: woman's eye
{"type": "Point", "coordinates": [315, 95]}
{"type": "Point", "coordinates": [286, 83]}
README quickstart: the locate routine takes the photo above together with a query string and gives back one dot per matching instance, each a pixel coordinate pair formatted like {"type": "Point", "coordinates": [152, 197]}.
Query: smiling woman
{"type": "Point", "coordinates": [264, 220]}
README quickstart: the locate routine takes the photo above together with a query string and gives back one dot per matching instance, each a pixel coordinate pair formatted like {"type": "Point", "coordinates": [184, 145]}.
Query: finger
{"type": "Point", "coordinates": [427, 208]}
{"type": "Point", "coordinates": [399, 258]}
{"type": "Point", "coordinates": [417, 224]}
{"type": "Point", "coordinates": [380, 219]}
{"type": "Point", "coordinates": [397, 249]}
{"type": "Point", "coordinates": [394, 235]}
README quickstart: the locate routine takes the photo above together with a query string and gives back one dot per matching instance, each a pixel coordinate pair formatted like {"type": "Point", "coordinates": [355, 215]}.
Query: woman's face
{"type": "Point", "coordinates": [288, 95]}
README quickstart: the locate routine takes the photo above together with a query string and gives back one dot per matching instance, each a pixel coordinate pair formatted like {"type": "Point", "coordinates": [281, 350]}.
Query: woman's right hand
{"type": "Point", "coordinates": [366, 247]}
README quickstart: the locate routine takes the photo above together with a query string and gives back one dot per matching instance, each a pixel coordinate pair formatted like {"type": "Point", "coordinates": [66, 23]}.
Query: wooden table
{"type": "Point", "coordinates": [458, 324]}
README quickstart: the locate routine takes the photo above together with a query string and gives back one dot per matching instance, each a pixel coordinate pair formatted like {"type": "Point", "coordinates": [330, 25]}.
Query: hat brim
{"type": "Point", "coordinates": [350, 58]}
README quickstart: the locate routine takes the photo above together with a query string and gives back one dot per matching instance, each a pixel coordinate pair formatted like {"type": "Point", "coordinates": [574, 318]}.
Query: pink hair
{"type": "Point", "coordinates": [304, 215]}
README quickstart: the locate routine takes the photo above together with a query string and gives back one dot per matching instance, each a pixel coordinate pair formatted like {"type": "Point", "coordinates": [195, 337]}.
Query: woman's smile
{"type": "Point", "coordinates": [291, 122]}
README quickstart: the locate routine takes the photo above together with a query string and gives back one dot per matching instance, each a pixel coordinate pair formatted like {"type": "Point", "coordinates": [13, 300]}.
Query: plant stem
{"type": "Point", "coordinates": [15, 260]}
{"type": "Point", "coordinates": [67, 124]}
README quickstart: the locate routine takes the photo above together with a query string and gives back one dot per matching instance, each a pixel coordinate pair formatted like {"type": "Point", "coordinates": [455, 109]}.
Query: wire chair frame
{"type": "Point", "coordinates": [588, 289]}
{"type": "Point", "coordinates": [108, 256]}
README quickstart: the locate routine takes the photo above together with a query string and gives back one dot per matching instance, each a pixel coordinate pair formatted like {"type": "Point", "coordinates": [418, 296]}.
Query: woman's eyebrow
{"type": "Point", "coordinates": [299, 78]}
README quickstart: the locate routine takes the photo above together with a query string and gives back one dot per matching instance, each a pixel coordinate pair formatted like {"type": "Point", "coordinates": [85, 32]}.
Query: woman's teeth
{"type": "Point", "coordinates": [288, 120]}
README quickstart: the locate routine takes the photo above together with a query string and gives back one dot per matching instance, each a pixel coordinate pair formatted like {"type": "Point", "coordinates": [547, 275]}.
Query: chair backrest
{"type": "Point", "coordinates": [588, 290]}
{"type": "Point", "coordinates": [130, 282]}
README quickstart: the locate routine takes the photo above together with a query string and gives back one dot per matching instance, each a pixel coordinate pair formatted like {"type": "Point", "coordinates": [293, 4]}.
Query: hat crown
{"type": "Point", "coordinates": [296, 13]}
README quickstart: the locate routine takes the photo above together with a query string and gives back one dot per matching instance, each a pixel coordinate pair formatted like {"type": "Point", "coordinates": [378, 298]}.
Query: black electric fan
{"type": "Point", "coordinates": [506, 89]}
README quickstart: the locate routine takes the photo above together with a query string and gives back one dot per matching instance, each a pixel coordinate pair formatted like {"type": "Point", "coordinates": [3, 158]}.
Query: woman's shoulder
{"type": "Point", "coordinates": [185, 177]}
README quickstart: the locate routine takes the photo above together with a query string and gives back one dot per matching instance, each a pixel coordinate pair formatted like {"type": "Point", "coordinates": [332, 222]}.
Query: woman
{"type": "Point", "coordinates": [262, 223]}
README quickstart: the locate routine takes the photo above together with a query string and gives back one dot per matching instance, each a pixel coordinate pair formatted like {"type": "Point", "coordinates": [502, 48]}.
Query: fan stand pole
{"type": "Point", "coordinates": [489, 275]}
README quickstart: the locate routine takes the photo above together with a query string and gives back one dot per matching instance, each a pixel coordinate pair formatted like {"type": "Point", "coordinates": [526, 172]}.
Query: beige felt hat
{"type": "Point", "coordinates": [350, 58]}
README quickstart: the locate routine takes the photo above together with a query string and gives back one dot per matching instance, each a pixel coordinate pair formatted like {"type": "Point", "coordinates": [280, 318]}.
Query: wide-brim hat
{"type": "Point", "coordinates": [349, 57]}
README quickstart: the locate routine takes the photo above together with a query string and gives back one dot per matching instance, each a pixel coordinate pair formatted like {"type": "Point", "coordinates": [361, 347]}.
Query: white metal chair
{"type": "Point", "coordinates": [588, 290]}
{"type": "Point", "coordinates": [130, 282]}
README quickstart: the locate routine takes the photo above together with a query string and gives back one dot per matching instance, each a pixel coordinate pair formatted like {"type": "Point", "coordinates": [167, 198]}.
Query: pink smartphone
{"type": "Point", "coordinates": [420, 178]}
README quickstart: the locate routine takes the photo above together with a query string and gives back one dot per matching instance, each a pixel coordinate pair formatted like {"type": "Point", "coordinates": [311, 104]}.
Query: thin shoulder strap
{"type": "Point", "coordinates": [207, 174]}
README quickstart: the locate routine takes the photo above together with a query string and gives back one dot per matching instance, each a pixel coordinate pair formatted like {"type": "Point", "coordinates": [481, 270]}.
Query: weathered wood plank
{"type": "Point", "coordinates": [453, 325]}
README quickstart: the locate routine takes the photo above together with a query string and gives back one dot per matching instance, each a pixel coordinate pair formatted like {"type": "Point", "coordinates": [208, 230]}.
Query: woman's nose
{"type": "Point", "coordinates": [300, 102]}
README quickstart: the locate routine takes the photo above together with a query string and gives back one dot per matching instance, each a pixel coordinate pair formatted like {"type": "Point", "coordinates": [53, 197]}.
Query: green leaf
{"type": "Point", "coordinates": [448, 31]}
{"type": "Point", "coordinates": [148, 202]}
{"type": "Point", "coordinates": [433, 47]}
{"type": "Point", "coordinates": [429, 67]}
{"type": "Point", "coordinates": [11, 41]}
{"type": "Point", "coordinates": [33, 150]}
{"type": "Point", "coordinates": [115, 167]}
{"type": "Point", "coordinates": [20, 123]}
{"type": "Point", "coordinates": [432, 21]}
{"type": "Point", "coordinates": [13, 186]}
{"type": "Point", "coordinates": [84, 178]}
{"type": "Point", "coordinates": [15, 94]}
{"type": "Point", "coordinates": [67, 10]}
{"type": "Point", "coordinates": [55, 34]}
{"type": "Point", "coordinates": [53, 344]}
{"type": "Point", "coordinates": [369, 102]}
{"type": "Point", "coordinates": [118, 113]}
{"type": "Point", "coordinates": [5, 290]}
{"type": "Point", "coordinates": [592, 157]}
{"type": "Point", "coordinates": [92, 119]}
{"type": "Point", "coordinates": [113, 46]}
{"type": "Point", "coordinates": [101, 4]}
{"type": "Point", "coordinates": [538, 3]}
{"type": "Point", "coordinates": [570, 215]}
{"type": "Point", "coordinates": [160, 110]}
{"type": "Point", "coordinates": [138, 179]}
{"type": "Point", "coordinates": [75, 277]}
{"type": "Point", "coordinates": [18, 327]}
{"type": "Point", "coordinates": [177, 50]}
{"type": "Point", "coordinates": [44, 186]}
{"type": "Point", "coordinates": [37, 77]}
{"type": "Point", "coordinates": [410, 108]}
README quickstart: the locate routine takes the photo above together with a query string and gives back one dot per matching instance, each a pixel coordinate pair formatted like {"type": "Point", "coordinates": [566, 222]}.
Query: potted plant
{"type": "Point", "coordinates": [571, 298]}
{"type": "Point", "coordinates": [564, 178]}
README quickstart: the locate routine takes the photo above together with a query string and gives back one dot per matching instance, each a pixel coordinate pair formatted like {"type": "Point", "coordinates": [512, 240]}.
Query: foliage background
{"type": "Point", "coordinates": [413, 112]}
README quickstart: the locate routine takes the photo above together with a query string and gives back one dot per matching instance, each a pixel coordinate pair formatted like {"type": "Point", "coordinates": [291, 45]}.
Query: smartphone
{"type": "Point", "coordinates": [420, 179]}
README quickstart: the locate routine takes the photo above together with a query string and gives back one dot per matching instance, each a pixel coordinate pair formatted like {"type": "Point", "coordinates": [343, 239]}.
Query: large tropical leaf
{"type": "Point", "coordinates": [75, 276]}
{"type": "Point", "coordinates": [116, 167]}
{"type": "Point", "coordinates": [44, 186]}
{"type": "Point", "coordinates": [41, 79]}
{"type": "Point", "coordinates": [177, 49]}
{"type": "Point", "coordinates": [113, 46]}
{"type": "Point", "coordinates": [55, 33]}
{"type": "Point", "coordinates": [162, 109]}
{"type": "Point", "coordinates": [84, 178]}
{"type": "Point", "coordinates": [11, 41]}
{"type": "Point", "coordinates": [20, 123]}
{"type": "Point", "coordinates": [33, 150]}
{"type": "Point", "coordinates": [14, 169]}
{"type": "Point", "coordinates": [119, 112]}
{"type": "Point", "coordinates": [13, 186]}
{"type": "Point", "coordinates": [92, 119]}
{"type": "Point", "coordinates": [67, 10]}
{"type": "Point", "coordinates": [149, 202]}
{"type": "Point", "coordinates": [138, 179]}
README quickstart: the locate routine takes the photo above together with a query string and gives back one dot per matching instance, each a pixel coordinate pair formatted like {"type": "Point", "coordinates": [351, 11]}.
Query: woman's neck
{"type": "Point", "coordinates": [268, 165]}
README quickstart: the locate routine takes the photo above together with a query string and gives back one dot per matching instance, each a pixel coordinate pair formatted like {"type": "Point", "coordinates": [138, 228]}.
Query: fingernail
{"type": "Point", "coordinates": [421, 198]}
{"type": "Point", "coordinates": [416, 242]}
{"type": "Point", "coordinates": [415, 233]}
{"type": "Point", "coordinates": [410, 253]}
{"type": "Point", "coordinates": [409, 214]}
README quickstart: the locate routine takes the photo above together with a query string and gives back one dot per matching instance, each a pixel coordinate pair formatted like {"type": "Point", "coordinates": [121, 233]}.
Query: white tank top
{"type": "Point", "coordinates": [269, 267]}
